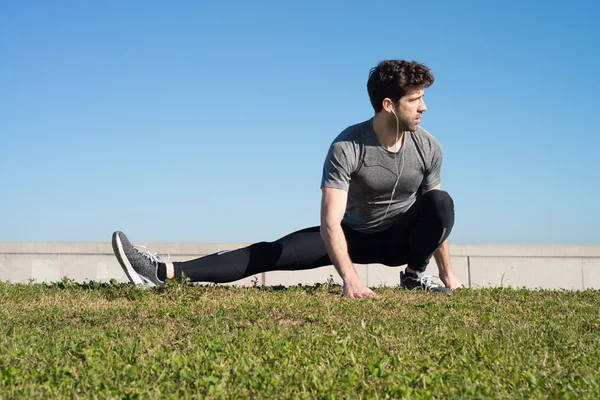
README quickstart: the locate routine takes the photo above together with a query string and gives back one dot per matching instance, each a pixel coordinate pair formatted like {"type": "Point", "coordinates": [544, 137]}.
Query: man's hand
{"type": "Point", "coordinates": [356, 290]}
{"type": "Point", "coordinates": [451, 281]}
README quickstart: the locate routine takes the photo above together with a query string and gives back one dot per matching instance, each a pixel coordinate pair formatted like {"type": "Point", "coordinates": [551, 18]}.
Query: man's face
{"type": "Point", "coordinates": [410, 109]}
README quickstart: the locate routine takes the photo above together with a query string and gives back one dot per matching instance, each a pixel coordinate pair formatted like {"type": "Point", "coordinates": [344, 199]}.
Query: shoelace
{"type": "Point", "coordinates": [429, 281]}
{"type": "Point", "coordinates": [154, 257]}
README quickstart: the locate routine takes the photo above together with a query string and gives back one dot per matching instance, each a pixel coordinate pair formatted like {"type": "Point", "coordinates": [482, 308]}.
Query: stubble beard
{"type": "Point", "coordinates": [407, 124]}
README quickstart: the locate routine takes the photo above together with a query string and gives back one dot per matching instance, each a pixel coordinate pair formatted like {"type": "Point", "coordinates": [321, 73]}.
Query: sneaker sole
{"type": "Point", "coordinates": [125, 264]}
{"type": "Point", "coordinates": [147, 281]}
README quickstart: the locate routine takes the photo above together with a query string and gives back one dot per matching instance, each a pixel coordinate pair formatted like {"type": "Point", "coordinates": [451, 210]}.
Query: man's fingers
{"type": "Point", "coordinates": [369, 294]}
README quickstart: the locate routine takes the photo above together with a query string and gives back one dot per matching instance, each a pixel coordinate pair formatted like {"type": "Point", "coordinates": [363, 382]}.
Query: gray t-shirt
{"type": "Point", "coordinates": [356, 162]}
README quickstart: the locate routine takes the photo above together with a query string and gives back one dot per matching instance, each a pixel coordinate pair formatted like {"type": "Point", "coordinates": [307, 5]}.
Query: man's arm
{"type": "Point", "coordinates": [333, 206]}
{"type": "Point", "coordinates": [442, 259]}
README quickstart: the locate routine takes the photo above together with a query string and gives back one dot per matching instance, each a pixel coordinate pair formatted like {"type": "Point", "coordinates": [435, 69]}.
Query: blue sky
{"type": "Point", "coordinates": [209, 122]}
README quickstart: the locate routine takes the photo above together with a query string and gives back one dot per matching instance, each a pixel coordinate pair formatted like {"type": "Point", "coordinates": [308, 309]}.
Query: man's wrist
{"type": "Point", "coordinates": [445, 274]}
{"type": "Point", "coordinates": [350, 277]}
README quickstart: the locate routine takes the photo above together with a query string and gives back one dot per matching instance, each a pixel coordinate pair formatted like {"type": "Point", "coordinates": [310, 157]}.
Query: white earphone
{"type": "Point", "coordinates": [398, 173]}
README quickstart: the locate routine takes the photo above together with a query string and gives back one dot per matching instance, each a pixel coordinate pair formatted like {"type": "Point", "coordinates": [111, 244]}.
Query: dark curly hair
{"type": "Point", "coordinates": [394, 78]}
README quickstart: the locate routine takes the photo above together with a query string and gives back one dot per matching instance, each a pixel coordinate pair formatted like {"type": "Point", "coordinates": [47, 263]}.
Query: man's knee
{"type": "Point", "coordinates": [441, 202]}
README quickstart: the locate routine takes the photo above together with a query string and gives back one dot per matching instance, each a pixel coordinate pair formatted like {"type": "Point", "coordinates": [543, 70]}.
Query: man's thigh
{"type": "Point", "coordinates": [305, 249]}
{"type": "Point", "coordinates": [363, 248]}
{"type": "Point", "coordinates": [396, 239]}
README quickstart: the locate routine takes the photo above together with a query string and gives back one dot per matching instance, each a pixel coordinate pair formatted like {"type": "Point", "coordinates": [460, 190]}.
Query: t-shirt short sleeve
{"type": "Point", "coordinates": [433, 171]}
{"type": "Point", "coordinates": [339, 165]}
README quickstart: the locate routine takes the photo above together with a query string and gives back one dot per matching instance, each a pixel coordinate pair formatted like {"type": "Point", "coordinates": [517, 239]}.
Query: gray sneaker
{"type": "Point", "coordinates": [140, 266]}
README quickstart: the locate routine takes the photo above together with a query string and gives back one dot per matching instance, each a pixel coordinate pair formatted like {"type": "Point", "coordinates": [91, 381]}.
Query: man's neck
{"type": "Point", "coordinates": [387, 134]}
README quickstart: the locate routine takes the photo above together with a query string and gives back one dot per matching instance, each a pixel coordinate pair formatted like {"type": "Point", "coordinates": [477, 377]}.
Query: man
{"type": "Point", "coordinates": [381, 203]}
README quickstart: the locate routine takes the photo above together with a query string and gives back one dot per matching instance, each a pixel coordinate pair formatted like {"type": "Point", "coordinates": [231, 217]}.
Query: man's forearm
{"type": "Point", "coordinates": [442, 258]}
{"type": "Point", "coordinates": [337, 248]}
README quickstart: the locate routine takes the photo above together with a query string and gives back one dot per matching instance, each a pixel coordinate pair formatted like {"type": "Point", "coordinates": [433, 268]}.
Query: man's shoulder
{"type": "Point", "coordinates": [426, 139]}
{"type": "Point", "coordinates": [423, 134]}
{"type": "Point", "coordinates": [354, 133]}
{"type": "Point", "coordinates": [349, 143]}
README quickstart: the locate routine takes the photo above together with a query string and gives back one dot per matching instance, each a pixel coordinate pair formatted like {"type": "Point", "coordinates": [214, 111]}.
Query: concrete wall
{"type": "Point", "coordinates": [572, 267]}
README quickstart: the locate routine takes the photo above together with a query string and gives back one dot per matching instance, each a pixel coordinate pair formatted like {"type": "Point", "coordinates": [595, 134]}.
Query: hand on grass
{"type": "Point", "coordinates": [356, 290]}
{"type": "Point", "coordinates": [451, 281]}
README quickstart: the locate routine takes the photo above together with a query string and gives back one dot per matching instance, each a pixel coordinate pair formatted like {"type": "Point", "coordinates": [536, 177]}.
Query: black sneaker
{"type": "Point", "coordinates": [140, 266]}
{"type": "Point", "coordinates": [409, 280]}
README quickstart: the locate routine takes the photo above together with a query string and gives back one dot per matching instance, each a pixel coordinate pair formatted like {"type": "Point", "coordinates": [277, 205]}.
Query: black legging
{"type": "Point", "coordinates": [412, 240]}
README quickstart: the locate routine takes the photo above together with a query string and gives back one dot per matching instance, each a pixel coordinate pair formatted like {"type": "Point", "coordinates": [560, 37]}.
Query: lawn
{"type": "Point", "coordinates": [67, 340]}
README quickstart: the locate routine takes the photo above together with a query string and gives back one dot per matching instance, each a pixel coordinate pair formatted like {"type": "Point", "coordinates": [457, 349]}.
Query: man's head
{"type": "Point", "coordinates": [397, 86]}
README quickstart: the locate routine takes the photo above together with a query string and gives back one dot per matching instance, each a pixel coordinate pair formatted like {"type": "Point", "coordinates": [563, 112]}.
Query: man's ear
{"type": "Point", "coordinates": [388, 104]}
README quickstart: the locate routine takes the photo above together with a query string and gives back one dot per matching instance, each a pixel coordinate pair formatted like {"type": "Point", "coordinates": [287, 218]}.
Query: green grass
{"type": "Point", "coordinates": [96, 340]}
